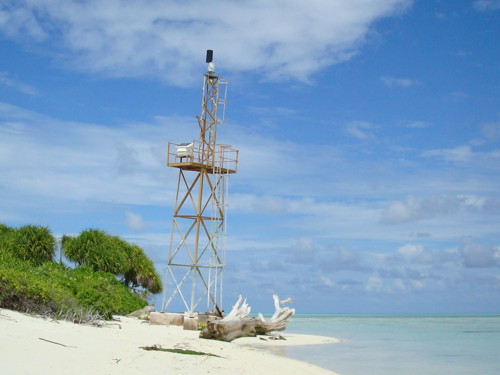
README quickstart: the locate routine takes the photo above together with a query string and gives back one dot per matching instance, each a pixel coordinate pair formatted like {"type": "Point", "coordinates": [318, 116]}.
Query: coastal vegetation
{"type": "Point", "coordinates": [109, 275]}
{"type": "Point", "coordinates": [103, 252]}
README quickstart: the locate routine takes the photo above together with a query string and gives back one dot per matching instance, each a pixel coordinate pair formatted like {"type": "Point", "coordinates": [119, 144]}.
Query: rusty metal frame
{"type": "Point", "coordinates": [196, 256]}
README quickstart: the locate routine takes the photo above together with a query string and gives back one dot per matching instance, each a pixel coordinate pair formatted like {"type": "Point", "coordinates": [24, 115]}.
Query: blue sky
{"type": "Point", "coordinates": [368, 130]}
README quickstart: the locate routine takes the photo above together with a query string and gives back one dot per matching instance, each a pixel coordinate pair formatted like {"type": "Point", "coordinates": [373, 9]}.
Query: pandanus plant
{"type": "Point", "coordinates": [104, 252]}
{"type": "Point", "coordinates": [31, 243]}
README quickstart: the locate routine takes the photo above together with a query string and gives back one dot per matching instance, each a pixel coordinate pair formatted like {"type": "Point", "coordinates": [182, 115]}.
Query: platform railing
{"type": "Point", "coordinates": [224, 157]}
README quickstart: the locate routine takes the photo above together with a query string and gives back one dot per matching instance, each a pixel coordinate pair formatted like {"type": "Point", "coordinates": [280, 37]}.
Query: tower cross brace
{"type": "Point", "coordinates": [196, 255]}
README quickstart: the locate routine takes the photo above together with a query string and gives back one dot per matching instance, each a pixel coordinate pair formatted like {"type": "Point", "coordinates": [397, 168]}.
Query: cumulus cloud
{"type": "Point", "coordinates": [410, 251]}
{"type": "Point", "coordinates": [415, 209]}
{"type": "Point", "coordinates": [281, 39]}
{"type": "Point", "coordinates": [417, 254]}
{"type": "Point", "coordinates": [303, 251]}
{"type": "Point", "coordinates": [374, 284]}
{"type": "Point", "coordinates": [135, 222]}
{"type": "Point", "coordinates": [398, 82]}
{"type": "Point", "coordinates": [478, 255]}
{"type": "Point", "coordinates": [340, 259]}
{"type": "Point", "coordinates": [326, 281]}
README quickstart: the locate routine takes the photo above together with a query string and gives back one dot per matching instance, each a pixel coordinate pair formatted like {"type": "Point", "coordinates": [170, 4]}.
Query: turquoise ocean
{"type": "Point", "coordinates": [401, 344]}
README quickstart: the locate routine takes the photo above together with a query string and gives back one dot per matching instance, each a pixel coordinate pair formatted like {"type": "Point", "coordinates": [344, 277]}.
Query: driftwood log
{"type": "Point", "coordinates": [239, 323]}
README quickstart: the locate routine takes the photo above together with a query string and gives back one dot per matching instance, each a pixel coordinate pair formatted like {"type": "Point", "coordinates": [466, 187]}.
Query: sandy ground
{"type": "Point", "coordinates": [31, 345]}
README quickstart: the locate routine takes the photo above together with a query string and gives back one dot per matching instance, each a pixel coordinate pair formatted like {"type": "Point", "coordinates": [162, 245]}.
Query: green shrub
{"type": "Point", "coordinates": [96, 249]}
{"type": "Point", "coordinates": [102, 291]}
{"type": "Point", "coordinates": [32, 243]}
{"type": "Point", "coordinates": [59, 291]}
{"type": "Point", "coordinates": [5, 229]}
{"type": "Point", "coordinates": [6, 238]}
{"type": "Point", "coordinates": [104, 252]}
{"type": "Point", "coordinates": [35, 244]}
{"type": "Point", "coordinates": [141, 271]}
{"type": "Point", "coordinates": [31, 281]}
{"type": "Point", "coordinates": [24, 287]}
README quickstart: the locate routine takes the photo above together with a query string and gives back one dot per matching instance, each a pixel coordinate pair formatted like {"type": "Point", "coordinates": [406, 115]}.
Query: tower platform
{"type": "Point", "coordinates": [190, 166]}
{"type": "Point", "coordinates": [189, 157]}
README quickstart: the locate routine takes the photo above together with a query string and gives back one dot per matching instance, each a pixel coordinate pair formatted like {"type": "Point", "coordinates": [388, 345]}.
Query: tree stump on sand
{"type": "Point", "coordinates": [238, 323]}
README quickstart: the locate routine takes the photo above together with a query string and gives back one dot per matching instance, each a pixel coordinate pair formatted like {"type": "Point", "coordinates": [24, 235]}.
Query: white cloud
{"type": "Point", "coordinates": [127, 159]}
{"type": "Point", "coordinates": [398, 82]}
{"type": "Point", "coordinates": [410, 210]}
{"type": "Point", "coordinates": [302, 251]}
{"type": "Point", "coordinates": [491, 131]}
{"type": "Point", "coordinates": [20, 21]}
{"type": "Point", "coordinates": [374, 284]}
{"type": "Point", "coordinates": [477, 255]}
{"type": "Point", "coordinates": [410, 251]}
{"type": "Point", "coordinates": [418, 124]}
{"type": "Point", "coordinates": [415, 209]}
{"type": "Point", "coordinates": [135, 222]}
{"type": "Point", "coordinates": [68, 163]}
{"type": "Point", "coordinates": [399, 284]}
{"type": "Point", "coordinates": [274, 111]}
{"type": "Point", "coordinates": [457, 154]}
{"type": "Point", "coordinates": [478, 154]}
{"type": "Point", "coordinates": [271, 205]}
{"type": "Point", "coordinates": [8, 81]}
{"type": "Point", "coordinates": [485, 5]}
{"type": "Point", "coordinates": [456, 97]}
{"type": "Point", "coordinates": [340, 259]}
{"type": "Point", "coordinates": [58, 164]}
{"type": "Point", "coordinates": [417, 254]}
{"type": "Point", "coordinates": [360, 129]}
{"type": "Point", "coordinates": [327, 282]}
{"type": "Point", "coordinates": [281, 39]}
{"type": "Point", "coordinates": [53, 159]}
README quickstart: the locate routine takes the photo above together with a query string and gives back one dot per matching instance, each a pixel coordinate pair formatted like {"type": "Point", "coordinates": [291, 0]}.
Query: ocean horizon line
{"type": "Point", "coordinates": [451, 314]}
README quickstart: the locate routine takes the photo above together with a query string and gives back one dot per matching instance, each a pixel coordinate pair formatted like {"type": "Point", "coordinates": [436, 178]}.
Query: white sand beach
{"type": "Point", "coordinates": [33, 345]}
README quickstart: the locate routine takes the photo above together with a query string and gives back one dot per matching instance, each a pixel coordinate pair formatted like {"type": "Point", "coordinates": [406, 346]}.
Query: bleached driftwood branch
{"type": "Point", "coordinates": [238, 323]}
{"type": "Point", "coordinates": [239, 310]}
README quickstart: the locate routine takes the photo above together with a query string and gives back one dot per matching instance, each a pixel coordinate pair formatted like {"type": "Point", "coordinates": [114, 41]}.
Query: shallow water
{"type": "Point", "coordinates": [402, 344]}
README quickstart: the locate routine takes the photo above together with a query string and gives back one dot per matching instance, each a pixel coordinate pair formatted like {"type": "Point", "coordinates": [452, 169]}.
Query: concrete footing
{"type": "Point", "coordinates": [191, 323]}
{"type": "Point", "coordinates": [187, 321]}
{"type": "Point", "coordinates": [166, 319]}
